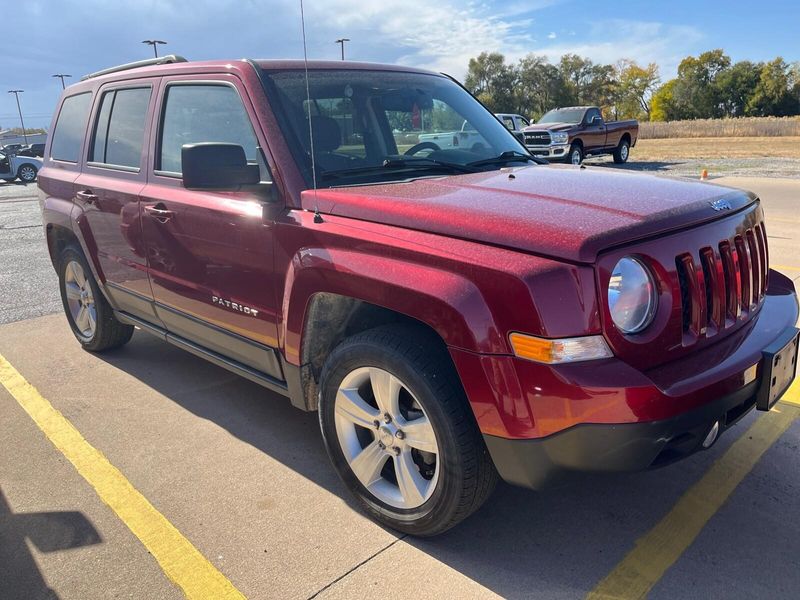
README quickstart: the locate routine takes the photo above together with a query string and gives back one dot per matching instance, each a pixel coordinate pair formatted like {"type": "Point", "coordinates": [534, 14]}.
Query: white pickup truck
{"type": "Point", "coordinates": [467, 138]}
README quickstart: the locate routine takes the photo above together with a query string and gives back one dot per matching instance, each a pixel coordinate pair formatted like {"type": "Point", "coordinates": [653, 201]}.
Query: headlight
{"type": "Point", "coordinates": [631, 295]}
{"type": "Point", "coordinates": [560, 137]}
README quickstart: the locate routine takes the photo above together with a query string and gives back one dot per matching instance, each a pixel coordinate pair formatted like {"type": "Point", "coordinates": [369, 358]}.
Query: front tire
{"type": "Point", "coordinates": [575, 155]}
{"type": "Point", "coordinates": [89, 314]}
{"type": "Point", "coordinates": [400, 433]}
{"type": "Point", "coordinates": [27, 173]}
{"type": "Point", "coordinates": [622, 152]}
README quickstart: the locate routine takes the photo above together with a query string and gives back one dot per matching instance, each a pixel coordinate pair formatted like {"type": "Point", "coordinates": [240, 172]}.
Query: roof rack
{"type": "Point", "coordinates": [162, 60]}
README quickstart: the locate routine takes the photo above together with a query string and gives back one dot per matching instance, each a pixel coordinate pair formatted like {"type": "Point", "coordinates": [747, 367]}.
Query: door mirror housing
{"type": "Point", "coordinates": [597, 120]}
{"type": "Point", "coordinates": [216, 166]}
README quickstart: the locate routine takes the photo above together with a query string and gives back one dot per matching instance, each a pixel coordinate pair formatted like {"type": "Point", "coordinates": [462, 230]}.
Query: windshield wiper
{"type": "Point", "coordinates": [506, 157]}
{"type": "Point", "coordinates": [400, 163]}
{"type": "Point", "coordinates": [421, 161]}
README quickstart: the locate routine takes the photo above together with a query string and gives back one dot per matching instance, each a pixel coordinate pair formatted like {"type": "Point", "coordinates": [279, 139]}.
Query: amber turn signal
{"type": "Point", "coordinates": [562, 350]}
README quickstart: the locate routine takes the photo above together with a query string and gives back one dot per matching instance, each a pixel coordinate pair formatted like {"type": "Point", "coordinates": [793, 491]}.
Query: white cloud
{"type": "Point", "coordinates": [552, 35]}
{"type": "Point", "coordinates": [643, 41]}
{"type": "Point", "coordinates": [443, 35]}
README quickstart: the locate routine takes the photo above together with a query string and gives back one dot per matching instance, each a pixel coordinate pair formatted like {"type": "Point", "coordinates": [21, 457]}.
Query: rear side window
{"type": "Point", "coordinates": [70, 127]}
{"type": "Point", "coordinates": [119, 132]}
{"type": "Point", "coordinates": [202, 113]}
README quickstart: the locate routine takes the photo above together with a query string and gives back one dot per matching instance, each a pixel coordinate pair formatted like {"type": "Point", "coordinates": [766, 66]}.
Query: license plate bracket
{"type": "Point", "coordinates": [779, 368]}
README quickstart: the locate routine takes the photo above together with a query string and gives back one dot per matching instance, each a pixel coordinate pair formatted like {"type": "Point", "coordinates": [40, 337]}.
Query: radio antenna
{"type": "Point", "coordinates": [308, 105]}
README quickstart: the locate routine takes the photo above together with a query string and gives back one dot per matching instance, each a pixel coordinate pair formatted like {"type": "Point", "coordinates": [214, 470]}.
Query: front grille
{"type": "Point", "coordinates": [537, 138]}
{"type": "Point", "coordinates": [728, 283]}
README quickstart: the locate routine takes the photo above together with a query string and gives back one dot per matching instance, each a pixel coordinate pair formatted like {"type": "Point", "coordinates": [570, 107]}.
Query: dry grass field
{"type": "Point", "coordinates": [716, 147]}
{"type": "Point", "coordinates": [715, 128]}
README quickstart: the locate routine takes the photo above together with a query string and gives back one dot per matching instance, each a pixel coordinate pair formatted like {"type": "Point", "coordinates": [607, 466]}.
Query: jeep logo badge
{"type": "Point", "coordinates": [721, 205]}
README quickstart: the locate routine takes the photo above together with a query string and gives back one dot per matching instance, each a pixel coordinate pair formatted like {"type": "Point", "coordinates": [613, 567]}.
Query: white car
{"type": "Point", "coordinates": [23, 168]}
{"type": "Point", "coordinates": [467, 139]}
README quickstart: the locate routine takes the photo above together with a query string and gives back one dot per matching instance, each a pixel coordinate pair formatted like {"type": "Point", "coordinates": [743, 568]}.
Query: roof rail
{"type": "Point", "coordinates": [162, 60]}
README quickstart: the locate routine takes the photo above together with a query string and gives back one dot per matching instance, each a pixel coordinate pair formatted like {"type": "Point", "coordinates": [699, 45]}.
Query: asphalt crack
{"type": "Point", "coordinates": [356, 567]}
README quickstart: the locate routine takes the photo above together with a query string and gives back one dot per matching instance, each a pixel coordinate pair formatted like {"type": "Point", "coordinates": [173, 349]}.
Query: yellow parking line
{"type": "Point", "coordinates": [657, 550]}
{"type": "Point", "coordinates": [180, 560]}
{"type": "Point", "coordinates": [785, 267]}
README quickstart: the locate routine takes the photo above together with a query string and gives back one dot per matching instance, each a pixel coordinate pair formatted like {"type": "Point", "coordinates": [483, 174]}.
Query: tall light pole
{"type": "Point", "coordinates": [341, 42]}
{"type": "Point", "coordinates": [154, 44]}
{"type": "Point", "coordinates": [17, 93]}
{"type": "Point", "coordinates": [62, 76]}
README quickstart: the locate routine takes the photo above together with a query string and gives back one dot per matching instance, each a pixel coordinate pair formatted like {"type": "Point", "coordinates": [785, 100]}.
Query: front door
{"type": "Point", "coordinates": [210, 253]}
{"type": "Point", "coordinates": [594, 131]}
{"type": "Point", "coordinates": [108, 192]}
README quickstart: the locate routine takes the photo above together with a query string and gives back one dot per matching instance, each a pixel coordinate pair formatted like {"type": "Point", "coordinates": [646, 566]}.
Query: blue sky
{"type": "Point", "coordinates": [42, 37]}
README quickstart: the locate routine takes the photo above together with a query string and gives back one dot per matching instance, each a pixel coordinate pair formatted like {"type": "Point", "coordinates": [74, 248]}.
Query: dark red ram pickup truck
{"type": "Point", "coordinates": [452, 314]}
{"type": "Point", "coordinates": [571, 134]}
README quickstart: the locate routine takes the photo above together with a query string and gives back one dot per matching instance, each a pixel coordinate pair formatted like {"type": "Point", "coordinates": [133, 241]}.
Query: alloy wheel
{"type": "Point", "coordinates": [80, 299]}
{"type": "Point", "coordinates": [27, 173]}
{"type": "Point", "coordinates": [386, 438]}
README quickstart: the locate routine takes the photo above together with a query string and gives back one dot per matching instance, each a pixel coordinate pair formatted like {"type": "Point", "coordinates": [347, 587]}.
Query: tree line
{"type": "Point", "coordinates": [707, 86]}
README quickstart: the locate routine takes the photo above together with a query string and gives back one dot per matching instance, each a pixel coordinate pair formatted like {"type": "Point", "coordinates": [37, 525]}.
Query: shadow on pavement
{"type": "Point", "coordinates": [48, 532]}
{"type": "Point", "coordinates": [568, 537]}
{"type": "Point", "coordinates": [650, 166]}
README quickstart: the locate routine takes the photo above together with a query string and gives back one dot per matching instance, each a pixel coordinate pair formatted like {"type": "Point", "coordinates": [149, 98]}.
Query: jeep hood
{"type": "Point", "coordinates": [564, 212]}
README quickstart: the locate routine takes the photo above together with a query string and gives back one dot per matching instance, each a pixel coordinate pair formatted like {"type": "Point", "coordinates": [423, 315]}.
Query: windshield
{"type": "Point", "coordinates": [567, 115]}
{"type": "Point", "coordinates": [375, 126]}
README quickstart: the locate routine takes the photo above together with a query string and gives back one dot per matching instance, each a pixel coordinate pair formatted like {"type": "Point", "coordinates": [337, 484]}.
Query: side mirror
{"type": "Point", "coordinates": [212, 165]}
{"type": "Point", "coordinates": [597, 120]}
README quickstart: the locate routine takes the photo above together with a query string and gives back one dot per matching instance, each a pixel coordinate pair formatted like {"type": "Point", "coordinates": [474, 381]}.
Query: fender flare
{"type": "Point", "coordinates": [447, 302]}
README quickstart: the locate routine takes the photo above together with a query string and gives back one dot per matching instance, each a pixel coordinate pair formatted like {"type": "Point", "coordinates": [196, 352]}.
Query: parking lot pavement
{"type": "Point", "coordinates": [244, 477]}
{"type": "Point", "coordinates": [28, 284]}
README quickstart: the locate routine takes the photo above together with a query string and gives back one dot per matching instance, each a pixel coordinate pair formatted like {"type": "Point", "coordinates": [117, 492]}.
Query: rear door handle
{"type": "Point", "coordinates": [159, 212]}
{"type": "Point", "coordinates": [87, 196]}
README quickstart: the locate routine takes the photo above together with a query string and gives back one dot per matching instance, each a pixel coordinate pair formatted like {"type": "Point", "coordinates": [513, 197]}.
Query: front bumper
{"type": "Point", "coordinates": [542, 422]}
{"type": "Point", "coordinates": [615, 448]}
{"type": "Point", "coordinates": [552, 151]}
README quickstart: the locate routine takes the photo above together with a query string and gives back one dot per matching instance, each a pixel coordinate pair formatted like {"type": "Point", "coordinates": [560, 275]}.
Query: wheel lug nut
{"type": "Point", "coordinates": [400, 435]}
{"type": "Point", "coordinates": [387, 418]}
{"type": "Point", "coordinates": [377, 424]}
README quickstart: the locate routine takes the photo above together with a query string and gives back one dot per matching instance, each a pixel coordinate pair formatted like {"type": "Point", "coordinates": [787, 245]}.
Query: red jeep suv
{"type": "Point", "coordinates": [453, 314]}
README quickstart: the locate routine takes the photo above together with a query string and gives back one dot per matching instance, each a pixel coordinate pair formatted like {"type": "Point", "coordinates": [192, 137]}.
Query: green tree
{"type": "Point", "coordinates": [539, 86]}
{"type": "Point", "coordinates": [635, 87]}
{"type": "Point", "coordinates": [696, 94]}
{"type": "Point", "coordinates": [492, 81]}
{"type": "Point", "coordinates": [772, 95]}
{"type": "Point", "coordinates": [735, 86]}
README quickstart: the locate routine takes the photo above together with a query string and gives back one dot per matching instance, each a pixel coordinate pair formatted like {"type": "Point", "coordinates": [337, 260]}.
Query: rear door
{"type": "Point", "coordinates": [108, 190]}
{"type": "Point", "coordinates": [210, 253]}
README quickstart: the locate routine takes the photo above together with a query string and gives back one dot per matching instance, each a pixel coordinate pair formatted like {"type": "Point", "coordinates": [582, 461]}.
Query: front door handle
{"type": "Point", "coordinates": [87, 196]}
{"type": "Point", "coordinates": [159, 212]}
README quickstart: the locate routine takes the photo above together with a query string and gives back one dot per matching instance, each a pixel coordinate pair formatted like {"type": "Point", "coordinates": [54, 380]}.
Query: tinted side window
{"type": "Point", "coordinates": [119, 133]}
{"type": "Point", "coordinates": [202, 113]}
{"type": "Point", "coordinates": [591, 114]}
{"type": "Point", "coordinates": [509, 123]}
{"type": "Point", "coordinates": [70, 128]}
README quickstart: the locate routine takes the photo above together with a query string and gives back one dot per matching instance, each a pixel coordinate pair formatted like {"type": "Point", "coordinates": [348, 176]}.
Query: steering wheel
{"type": "Point", "coordinates": [421, 146]}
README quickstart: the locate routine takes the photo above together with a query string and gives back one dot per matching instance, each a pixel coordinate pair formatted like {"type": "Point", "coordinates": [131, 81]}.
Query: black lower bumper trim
{"type": "Point", "coordinates": [622, 447]}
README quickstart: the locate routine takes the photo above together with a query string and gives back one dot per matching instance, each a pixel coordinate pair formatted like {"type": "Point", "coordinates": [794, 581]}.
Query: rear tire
{"type": "Point", "coordinates": [89, 314]}
{"type": "Point", "coordinates": [27, 173]}
{"type": "Point", "coordinates": [622, 152]}
{"type": "Point", "coordinates": [430, 437]}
